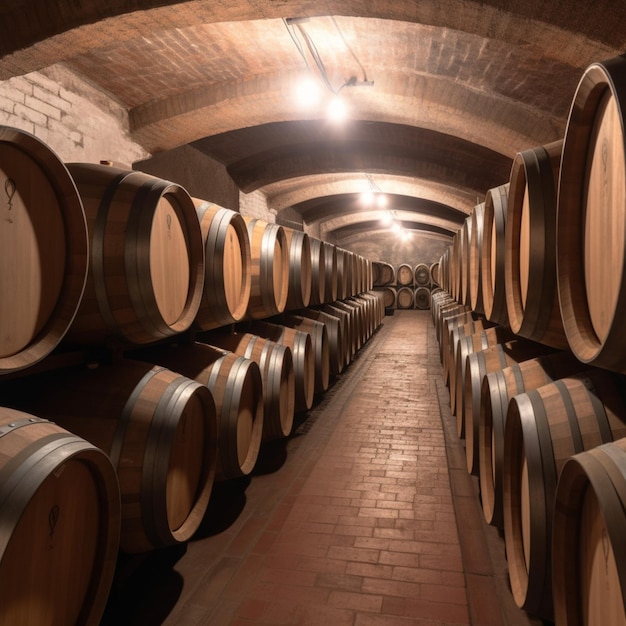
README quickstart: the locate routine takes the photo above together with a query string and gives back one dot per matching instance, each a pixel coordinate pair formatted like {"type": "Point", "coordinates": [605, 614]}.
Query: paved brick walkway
{"type": "Point", "coordinates": [353, 521]}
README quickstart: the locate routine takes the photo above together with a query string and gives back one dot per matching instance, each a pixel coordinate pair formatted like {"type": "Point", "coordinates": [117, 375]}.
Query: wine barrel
{"type": "Point", "coordinates": [342, 273]}
{"type": "Point", "coordinates": [464, 260]}
{"type": "Point", "coordinates": [227, 274]}
{"type": "Point", "coordinates": [492, 261]}
{"type": "Point", "coordinates": [275, 363]}
{"type": "Point", "coordinates": [330, 260]}
{"type": "Point", "coordinates": [43, 250]}
{"type": "Point", "coordinates": [300, 271]}
{"type": "Point", "coordinates": [346, 322]}
{"type": "Point", "coordinates": [530, 246]}
{"type": "Point", "coordinates": [421, 275]}
{"type": "Point", "coordinates": [321, 346]}
{"type": "Point", "coordinates": [146, 272]}
{"type": "Point", "coordinates": [336, 342]}
{"type": "Point", "coordinates": [588, 549]}
{"type": "Point", "coordinates": [158, 428]}
{"type": "Point", "coordinates": [477, 220]}
{"type": "Point", "coordinates": [384, 274]}
{"type": "Point", "coordinates": [443, 298]}
{"type": "Point", "coordinates": [404, 275]}
{"type": "Point", "coordinates": [269, 253]}
{"type": "Point", "coordinates": [435, 274]}
{"type": "Point", "coordinates": [405, 298]}
{"type": "Point", "coordinates": [480, 340]}
{"type": "Point", "coordinates": [421, 298]}
{"type": "Point", "coordinates": [544, 427]}
{"type": "Point", "coordinates": [303, 354]}
{"type": "Point", "coordinates": [497, 389]}
{"type": "Point", "coordinates": [354, 325]}
{"type": "Point", "coordinates": [477, 365]}
{"type": "Point", "coordinates": [468, 322]}
{"type": "Point", "coordinates": [591, 220]}
{"type": "Point", "coordinates": [389, 296]}
{"type": "Point", "coordinates": [60, 511]}
{"type": "Point", "coordinates": [318, 271]}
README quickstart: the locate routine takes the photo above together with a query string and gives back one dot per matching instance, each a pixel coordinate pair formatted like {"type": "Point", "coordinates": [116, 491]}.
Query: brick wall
{"type": "Point", "coordinates": [255, 205]}
{"type": "Point", "coordinates": [75, 120]}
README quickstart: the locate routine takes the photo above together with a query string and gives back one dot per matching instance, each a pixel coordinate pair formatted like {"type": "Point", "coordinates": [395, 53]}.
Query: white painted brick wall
{"type": "Point", "coordinates": [71, 117]}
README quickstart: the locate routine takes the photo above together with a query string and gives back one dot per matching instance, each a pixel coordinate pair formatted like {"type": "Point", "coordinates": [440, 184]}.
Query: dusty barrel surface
{"type": "Point", "coordinates": [269, 253]}
{"type": "Point", "coordinates": [43, 250]}
{"type": "Point", "coordinates": [544, 427]}
{"type": "Point", "coordinates": [588, 541]}
{"type": "Point", "coordinates": [146, 270]}
{"type": "Point", "coordinates": [405, 298]}
{"type": "Point", "coordinates": [404, 275]}
{"type": "Point", "coordinates": [227, 274]}
{"type": "Point", "coordinates": [530, 246]}
{"type": "Point", "coordinates": [591, 219]}
{"type": "Point", "coordinates": [421, 275]}
{"type": "Point", "coordinates": [56, 487]}
{"type": "Point", "coordinates": [497, 389]}
{"type": "Point", "coordinates": [492, 262]}
{"type": "Point", "coordinates": [277, 372]}
{"type": "Point", "coordinates": [158, 428]}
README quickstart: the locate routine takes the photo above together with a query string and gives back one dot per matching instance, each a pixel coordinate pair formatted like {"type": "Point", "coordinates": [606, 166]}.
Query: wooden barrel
{"type": "Point", "coordinates": [442, 298]}
{"type": "Point", "coordinates": [588, 550]}
{"type": "Point", "coordinates": [477, 220]}
{"type": "Point", "coordinates": [146, 272]}
{"type": "Point", "coordinates": [435, 274]}
{"type": "Point", "coordinates": [227, 275]}
{"type": "Point", "coordinates": [389, 296]}
{"type": "Point", "coordinates": [492, 267]}
{"type": "Point", "coordinates": [404, 275]}
{"type": "Point", "coordinates": [330, 260]}
{"type": "Point", "coordinates": [497, 389]}
{"type": "Point", "coordinates": [237, 388]}
{"type": "Point", "coordinates": [421, 298]}
{"type": "Point", "coordinates": [159, 429]}
{"type": "Point", "coordinates": [544, 427]}
{"type": "Point", "coordinates": [383, 274]}
{"type": "Point", "coordinates": [530, 246]}
{"type": "Point", "coordinates": [464, 260]}
{"type": "Point", "coordinates": [480, 340]}
{"type": "Point", "coordinates": [405, 298]}
{"type": "Point", "coordinates": [477, 365]}
{"type": "Point", "coordinates": [591, 220]}
{"type": "Point", "coordinates": [300, 271]}
{"type": "Point", "coordinates": [43, 250]}
{"type": "Point", "coordinates": [303, 354]}
{"type": "Point", "coordinates": [336, 342]}
{"type": "Point", "coordinates": [342, 273]}
{"type": "Point", "coordinates": [321, 346]}
{"type": "Point", "coordinates": [60, 511]}
{"type": "Point", "coordinates": [346, 321]}
{"type": "Point", "coordinates": [421, 275]}
{"type": "Point", "coordinates": [275, 363]}
{"type": "Point", "coordinates": [318, 271]}
{"type": "Point", "coordinates": [359, 327]}
{"type": "Point", "coordinates": [449, 309]}
{"type": "Point", "coordinates": [269, 252]}
{"type": "Point", "coordinates": [449, 324]}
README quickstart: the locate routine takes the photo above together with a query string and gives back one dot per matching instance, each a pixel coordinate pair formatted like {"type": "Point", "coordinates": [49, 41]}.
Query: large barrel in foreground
{"type": "Point", "coordinates": [591, 219]}
{"type": "Point", "coordinates": [43, 250]}
{"type": "Point", "coordinates": [60, 515]}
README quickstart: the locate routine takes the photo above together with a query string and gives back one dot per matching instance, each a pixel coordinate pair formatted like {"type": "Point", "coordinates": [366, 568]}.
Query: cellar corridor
{"type": "Point", "coordinates": [365, 516]}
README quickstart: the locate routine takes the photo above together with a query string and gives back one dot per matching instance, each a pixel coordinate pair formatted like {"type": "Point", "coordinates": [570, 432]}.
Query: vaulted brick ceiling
{"type": "Point", "coordinates": [459, 88]}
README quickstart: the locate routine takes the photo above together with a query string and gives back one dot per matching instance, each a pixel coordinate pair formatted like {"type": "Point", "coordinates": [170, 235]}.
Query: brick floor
{"type": "Point", "coordinates": [366, 516]}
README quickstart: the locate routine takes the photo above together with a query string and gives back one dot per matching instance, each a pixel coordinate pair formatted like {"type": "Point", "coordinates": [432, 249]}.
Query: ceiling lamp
{"type": "Point", "coordinates": [337, 110]}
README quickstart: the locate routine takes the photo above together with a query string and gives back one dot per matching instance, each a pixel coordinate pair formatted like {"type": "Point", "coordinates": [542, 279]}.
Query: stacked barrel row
{"type": "Point", "coordinates": [150, 344]}
{"type": "Point", "coordinates": [405, 286]}
{"type": "Point", "coordinates": [531, 328]}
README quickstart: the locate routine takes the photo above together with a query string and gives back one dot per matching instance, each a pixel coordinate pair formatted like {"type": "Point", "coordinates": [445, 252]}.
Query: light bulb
{"type": "Point", "coordinates": [337, 110]}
